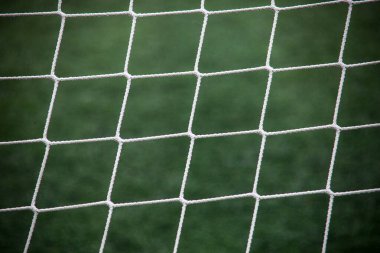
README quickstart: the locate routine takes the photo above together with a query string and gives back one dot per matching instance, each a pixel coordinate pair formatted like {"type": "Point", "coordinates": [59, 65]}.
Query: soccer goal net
{"type": "Point", "coordinates": [214, 126]}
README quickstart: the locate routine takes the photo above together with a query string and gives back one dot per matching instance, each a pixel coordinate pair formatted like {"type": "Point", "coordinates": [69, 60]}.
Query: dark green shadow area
{"type": "Point", "coordinates": [360, 102]}
{"type": "Point", "coordinates": [364, 34]}
{"type": "Point", "coordinates": [83, 6]}
{"type": "Point", "coordinates": [77, 174]}
{"type": "Point", "coordinates": [296, 162]}
{"type": "Point", "coordinates": [14, 229]}
{"type": "Point", "coordinates": [23, 118]}
{"type": "Point", "coordinates": [143, 229]}
{"type": "Point", "coordinates": [357, 160]}
{"type": "Point", "coordinates": [30, 50]}
{"type": "Point", "coordinates": [151, 170]}
{"type": "Point", "coordinates": [249, 30]}
{"type": "Point", "coordinates": [302, 98]}
{"type": "Point", "coordinates": [157, 106]}
{"type": "Point", "coordinates": [221, 226]}
{"type": "Point", "coordinates": [28, 6]}
{"type": "Point", "coordinates": [87, 109]}
{"type": "Point", "coordinates": [290, 224]}
{"type": "Point", "coordinates": [142, 6]}
{"type": "Point", "coordinates": [309, 36]}
{"type": "Point", "coordinates": [233, 4]}
{"type": "Point", "coordinates": [285, 3]}
{"type": "Point", "coordinates": [19, 166]}
{"type": "Point", "coordinates": [222, 166]}
{"type": "Point", "coordinates": [230, 103]}
{"type": "Point", "coordinates": [94, 45]}
{"type": "Point", "coordinates": [356, 226]}
{"type": "Point", "coordinates": [75, 230]}
{"type": "Point", "coordinates": [165, 44]}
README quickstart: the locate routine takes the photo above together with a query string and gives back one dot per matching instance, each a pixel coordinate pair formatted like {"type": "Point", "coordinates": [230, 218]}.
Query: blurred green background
{"type": "Point", "coordinates": [150, 170]}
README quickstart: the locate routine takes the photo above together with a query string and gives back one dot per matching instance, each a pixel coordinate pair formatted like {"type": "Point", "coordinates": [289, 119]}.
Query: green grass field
{"type": "Point", "coordinates": [151, 170]}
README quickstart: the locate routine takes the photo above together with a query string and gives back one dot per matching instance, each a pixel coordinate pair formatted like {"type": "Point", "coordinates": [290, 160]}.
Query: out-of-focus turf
{"type": "Point", "coordinates": [150, 170]}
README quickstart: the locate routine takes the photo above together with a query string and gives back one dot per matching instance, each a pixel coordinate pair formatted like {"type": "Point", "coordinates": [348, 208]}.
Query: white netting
{"type": "Point", "coordinates": [260, 131]}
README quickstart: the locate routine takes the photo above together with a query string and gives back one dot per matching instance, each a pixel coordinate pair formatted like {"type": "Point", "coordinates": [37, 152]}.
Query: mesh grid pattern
{"type": "Point", "coordinates": [193, 137]}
